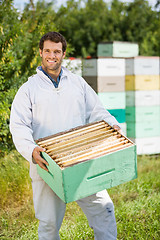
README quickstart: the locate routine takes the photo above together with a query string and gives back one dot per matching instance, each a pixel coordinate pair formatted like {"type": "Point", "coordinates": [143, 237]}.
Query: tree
{"type": "Point", "coordinates": [139, 26]}
{"type": "Point", "coordinates": [81, 22]}
{"type": "Point", "coordinates": [85, 23]}
{"type": "Point", "coordinates": [19, 54]}
{"type": "Point", "coordinates": [10, 28]}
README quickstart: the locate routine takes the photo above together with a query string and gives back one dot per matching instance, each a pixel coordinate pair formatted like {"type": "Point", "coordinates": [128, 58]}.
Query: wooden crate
{"type": "Point", "coordinates": [87, 159]}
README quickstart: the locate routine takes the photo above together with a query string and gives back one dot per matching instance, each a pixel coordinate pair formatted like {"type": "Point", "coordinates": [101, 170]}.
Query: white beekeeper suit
{"type": "Point", "coordinates": [39, 110]}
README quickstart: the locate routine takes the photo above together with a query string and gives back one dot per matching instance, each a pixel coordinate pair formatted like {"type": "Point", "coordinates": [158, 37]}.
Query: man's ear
{"type": "Point", "coordinates": [64, 54]}
{"type": "Point", "coordinates": [40, 52]}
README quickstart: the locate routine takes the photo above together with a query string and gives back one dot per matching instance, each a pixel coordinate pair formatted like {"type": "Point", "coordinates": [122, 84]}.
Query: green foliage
{"type": "Point", "coordinates": [140, 25]}
{"type": "Point", "coordinates": [19, 54]}
{"type": "Point", "coordinates": [85, 23]}
{"type": "Point", "coordinates": [14, 179]}
{"type": "Point", "coordinates": [137, 206]}
{"type": "Point", "coordinates": [82, 26]}
{"type": "Point", "coordinates": [9, 29]}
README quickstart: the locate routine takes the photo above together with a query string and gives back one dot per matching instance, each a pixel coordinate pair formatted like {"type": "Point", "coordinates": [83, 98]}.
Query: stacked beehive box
{"type": "Point", "coordinates": [117, 49]}
{"type": "Point", "coordinates": [143, 103]}
{"type": "Point", "coordinates": [107, 77]}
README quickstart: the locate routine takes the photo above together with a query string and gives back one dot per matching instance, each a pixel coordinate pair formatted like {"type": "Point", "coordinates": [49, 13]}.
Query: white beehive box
{"type": "Point", "coordinates": [142, 98]}
{"type": "Point", "coordinates": [142, 65]}
{"type": "Point", "coordinates": [111, 67]}
{"type": "Point", "coordinates": [149, 145]}
{"type": "Point", "coordinates": [104, 67]}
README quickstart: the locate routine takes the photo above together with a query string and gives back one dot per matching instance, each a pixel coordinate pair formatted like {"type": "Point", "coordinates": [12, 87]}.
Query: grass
{"type": "Point", "coordinates": [137, 204]}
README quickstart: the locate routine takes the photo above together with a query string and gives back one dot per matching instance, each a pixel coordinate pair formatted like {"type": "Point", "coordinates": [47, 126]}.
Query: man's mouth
{"type": "Point", "coordinates": [51, 61]}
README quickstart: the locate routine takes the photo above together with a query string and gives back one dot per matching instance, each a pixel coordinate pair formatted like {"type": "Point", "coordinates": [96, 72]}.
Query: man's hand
{"type": "Point", "coordinates": [118, 129]}
{"type": "Point", "coordinates": [38, 159]}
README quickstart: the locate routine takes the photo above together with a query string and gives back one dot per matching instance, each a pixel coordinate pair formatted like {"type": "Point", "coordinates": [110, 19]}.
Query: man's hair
{"type": "Point", "coordinates": [54, 37]}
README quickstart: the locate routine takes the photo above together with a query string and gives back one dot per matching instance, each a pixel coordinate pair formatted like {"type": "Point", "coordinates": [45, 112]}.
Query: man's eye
{"type": "Point", "coordinates": [57, 52]}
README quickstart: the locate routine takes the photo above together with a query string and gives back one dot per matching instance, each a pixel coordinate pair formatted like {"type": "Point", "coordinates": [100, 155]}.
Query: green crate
{"type": "Point", "coordinates": [113, 100]}
{"type": "Point", "coordinates": [104, 50]}
{"type": "Point", "coordinates": [142, 114]}
{"type": "Point", "coordinates": [143, 129]}
{"type": "Point", "coordinates": [119, 114]}
{"type": "Point", "coordinates": [117, 49]}
{"type": "Point", "coordinates": [86, 178]}
{"type": "Point", "coordinates": [91, 175]}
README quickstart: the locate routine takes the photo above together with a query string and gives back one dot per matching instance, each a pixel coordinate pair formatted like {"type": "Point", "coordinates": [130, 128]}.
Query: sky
{"type": "Point", "coordinates": [20, 3]}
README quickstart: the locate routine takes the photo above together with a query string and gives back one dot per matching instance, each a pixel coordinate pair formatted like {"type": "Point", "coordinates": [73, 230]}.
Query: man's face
{"type": "Point", "coordinates": [52, 56]}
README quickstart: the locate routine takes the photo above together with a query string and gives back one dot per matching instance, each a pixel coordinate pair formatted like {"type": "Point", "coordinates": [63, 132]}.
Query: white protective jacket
{"type": "Point", "coordinates": [39, 110]}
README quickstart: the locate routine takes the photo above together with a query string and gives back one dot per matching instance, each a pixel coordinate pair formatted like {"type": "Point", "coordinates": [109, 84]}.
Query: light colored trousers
{"type": "Point", "coordinates": [50, 210]}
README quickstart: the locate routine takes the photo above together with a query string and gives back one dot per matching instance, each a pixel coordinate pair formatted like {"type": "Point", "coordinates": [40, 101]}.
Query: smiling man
{"type": "Point", "coordinates": [51, 101]}
{"type": "Point", "coordinates": [52, 56]}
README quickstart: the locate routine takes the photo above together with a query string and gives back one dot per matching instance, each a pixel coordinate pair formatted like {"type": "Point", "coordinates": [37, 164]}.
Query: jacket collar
{"type": "Point", "coordinates": [65, 73]}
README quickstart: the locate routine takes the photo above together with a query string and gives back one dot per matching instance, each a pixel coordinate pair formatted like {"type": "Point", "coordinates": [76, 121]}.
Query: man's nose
{"type": "Point", "coordinates": [52, 54]}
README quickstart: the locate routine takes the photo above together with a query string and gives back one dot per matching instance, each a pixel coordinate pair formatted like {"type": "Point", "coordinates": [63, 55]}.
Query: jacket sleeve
{"type": "Point", "coordinates": [21, 123]}
{"type": "Point", "coordinates": [95, 111]}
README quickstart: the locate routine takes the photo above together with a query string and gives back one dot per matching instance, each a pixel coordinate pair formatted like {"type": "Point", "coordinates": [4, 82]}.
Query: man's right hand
{"type": "Point", "coordinates": [38, 159]}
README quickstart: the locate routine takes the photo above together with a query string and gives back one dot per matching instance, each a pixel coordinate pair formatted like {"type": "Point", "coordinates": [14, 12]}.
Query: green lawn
{"type": "Point", "coordinates": [137, 204]}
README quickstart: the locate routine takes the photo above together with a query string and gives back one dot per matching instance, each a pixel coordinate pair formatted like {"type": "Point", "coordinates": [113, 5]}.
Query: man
{"type": "Point", "coordinates": [51, 101]}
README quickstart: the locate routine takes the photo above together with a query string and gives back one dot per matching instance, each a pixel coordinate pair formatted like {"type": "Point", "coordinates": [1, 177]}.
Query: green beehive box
{"type": "Point", "coordinates": [143, 129]}
{"type": "Point", "coordinates": [117, 49]}
{"type": "Point", "coordinates": [113, 100]}
{"type": "Point", "coordinates": [92, 174]}
{"type": "Point", "coordinates": [119, 114]}
{"type": "Point", "coordinates": [142, 113]}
